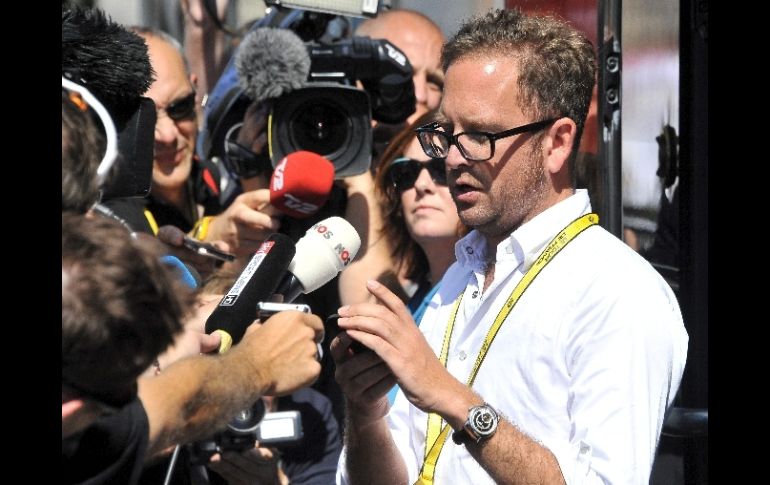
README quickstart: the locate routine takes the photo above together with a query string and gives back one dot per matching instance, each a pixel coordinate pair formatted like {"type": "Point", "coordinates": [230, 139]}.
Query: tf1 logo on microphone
{"type": "Point", "coordinates": [298, 205]}
{"type": "Point", "coordinates": [341, 251]}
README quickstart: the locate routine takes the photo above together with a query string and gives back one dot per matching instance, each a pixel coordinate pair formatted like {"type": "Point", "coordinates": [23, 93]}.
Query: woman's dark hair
{"type": "Point", "coordinates": [410, 255]}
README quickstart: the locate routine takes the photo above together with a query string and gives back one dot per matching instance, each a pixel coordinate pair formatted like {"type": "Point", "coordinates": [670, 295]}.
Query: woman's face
{"type": "Point", "coordinates": [428, 208]}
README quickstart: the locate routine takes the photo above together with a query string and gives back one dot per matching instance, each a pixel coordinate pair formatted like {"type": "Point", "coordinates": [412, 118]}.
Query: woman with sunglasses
{"type": "Point", "coordinates": [419, 225]}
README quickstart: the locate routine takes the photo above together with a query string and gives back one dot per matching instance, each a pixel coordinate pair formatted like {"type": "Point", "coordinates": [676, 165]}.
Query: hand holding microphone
{"type": "Point", "coordinates": [299, 186]}
{"type": "Point", "coordinates": [325, 250]}
{"type": "Point", "coordinates": [257, 282]}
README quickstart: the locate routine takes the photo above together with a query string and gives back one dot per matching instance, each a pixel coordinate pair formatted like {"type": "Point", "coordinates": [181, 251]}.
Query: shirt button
{"type": "Point", "coordinates": [462, 355]}
{"type": "Point", "coordinates": [474, 294]}
{"type": "Point", "coordinates": [468, 249]}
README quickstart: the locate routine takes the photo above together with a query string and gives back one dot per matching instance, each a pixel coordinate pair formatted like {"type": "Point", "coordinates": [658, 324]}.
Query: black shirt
{"type": "Point", "coordinates": [112, 450]}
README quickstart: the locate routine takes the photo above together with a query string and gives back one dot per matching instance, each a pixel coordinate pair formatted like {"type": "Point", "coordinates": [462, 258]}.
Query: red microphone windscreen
{"type": "Point", "coordinates": [301, 183]}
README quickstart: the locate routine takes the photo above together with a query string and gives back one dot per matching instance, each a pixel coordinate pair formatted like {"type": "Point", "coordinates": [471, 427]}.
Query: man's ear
{"type": "Point", "coordinates": [558, 144]}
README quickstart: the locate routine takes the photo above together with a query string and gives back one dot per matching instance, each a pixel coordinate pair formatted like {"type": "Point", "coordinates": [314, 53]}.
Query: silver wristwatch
{"type": "Point", "coordinates": [480, 425]}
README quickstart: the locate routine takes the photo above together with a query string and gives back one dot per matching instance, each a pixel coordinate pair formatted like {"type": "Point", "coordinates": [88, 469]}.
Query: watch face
{"type": "Point", "coordinates": [483, 420]}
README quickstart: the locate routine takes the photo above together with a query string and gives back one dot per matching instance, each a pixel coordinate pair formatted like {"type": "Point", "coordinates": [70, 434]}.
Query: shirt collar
{"type": "Point", "coordinates": [527, 242]}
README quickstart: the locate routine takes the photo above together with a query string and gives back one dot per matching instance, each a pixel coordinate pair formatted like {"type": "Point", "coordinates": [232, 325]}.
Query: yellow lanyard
{"type": "Point", "coordinates": [436, 436]}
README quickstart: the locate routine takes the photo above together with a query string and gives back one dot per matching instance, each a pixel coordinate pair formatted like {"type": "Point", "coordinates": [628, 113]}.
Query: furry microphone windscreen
{"type": "Point", "coordinates": [271, 62]}
{"type": "Point", "coordinates": [108, 59]}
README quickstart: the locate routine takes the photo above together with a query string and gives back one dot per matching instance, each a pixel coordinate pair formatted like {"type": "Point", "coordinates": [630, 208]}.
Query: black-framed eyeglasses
{"type": "Point", "coordinates": [182, 109]}
{"type": "Point", "coordinates": [404, 171]}
{"type": "Point", "coordinates": [474, 146]}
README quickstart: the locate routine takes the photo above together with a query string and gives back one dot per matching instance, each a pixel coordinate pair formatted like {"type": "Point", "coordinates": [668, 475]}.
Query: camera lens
{"type": "Point", "coordinates": [247, 420]}
{"type": "Point", "coordinates": [329, 119]}
{"type": "Point", "coordinates": [320, 128]}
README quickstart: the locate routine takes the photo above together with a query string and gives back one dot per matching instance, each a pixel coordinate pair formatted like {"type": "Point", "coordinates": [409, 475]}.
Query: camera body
{"type": "Point", "coordinates": [330, 115]}
{"type": "Point", "coordinates": [333, 118]}
{"type": "Point", "coordinates": [276, 430]}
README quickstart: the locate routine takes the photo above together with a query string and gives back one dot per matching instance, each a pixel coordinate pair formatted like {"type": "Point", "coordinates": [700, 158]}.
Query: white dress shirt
{"type": "Point", "coordinates": [585, 364]}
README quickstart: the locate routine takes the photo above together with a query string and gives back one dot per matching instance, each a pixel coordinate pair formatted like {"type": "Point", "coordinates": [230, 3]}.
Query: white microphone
{"type": "Point", "coordinates": [325, 250]}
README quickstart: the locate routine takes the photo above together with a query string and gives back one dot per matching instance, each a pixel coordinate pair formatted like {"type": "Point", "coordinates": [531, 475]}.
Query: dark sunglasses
{"type": "Point", "coordinates": [404, 171]}
{"type": "Point", "coordinates": [182, 109]}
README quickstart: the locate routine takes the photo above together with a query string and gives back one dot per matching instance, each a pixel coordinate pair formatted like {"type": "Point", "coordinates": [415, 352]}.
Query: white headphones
{"type": "Point", "coordinates": [111, 152]}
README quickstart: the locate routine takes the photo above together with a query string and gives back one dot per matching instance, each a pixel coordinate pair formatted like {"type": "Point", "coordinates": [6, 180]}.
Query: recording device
{"type": "Point", "coordinates": [357, 8]}
{"type": "Point", "coordinates": [301, 183]}
{"type": "Point", "coordinates": [206, 249]}
{"type": "Point", "coordinates": [276, 430]}
{"type": "Point", "coordinates": [136, 139]}
{"type": "Point", "coordinates": [267, 309]}
{"type": "Point", "coordinates": [254, 424]}
{"type": "Point", "coordinates": [329, 115]}
{"type": "Point", "coordinates": [331, 323]}
{"type": "Point", "coordinates": [325, 250]}
{"type": "Point", "coordinates": [113, 63]}
{"type": "Point", "coordinates": [257, 282]}
{"type": "Point", "coordinates": [315, 104]}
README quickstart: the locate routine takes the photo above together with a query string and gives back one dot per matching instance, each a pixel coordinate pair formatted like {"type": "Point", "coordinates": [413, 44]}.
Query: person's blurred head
{"type": "Point", "coordinates": [121, 307]}
{"type": "Point", "coordinates": [176, 127]}
{"type": "Point", "coordinates": [415, 200]}
{"type": "Point", "coordinates": [420, 39]}
{"type": "Point", "coordinates": [82, 149]}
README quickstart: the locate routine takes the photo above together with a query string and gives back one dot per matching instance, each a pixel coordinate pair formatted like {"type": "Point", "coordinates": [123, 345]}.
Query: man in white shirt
{"type": "Point", "coordinates": [569, 383]}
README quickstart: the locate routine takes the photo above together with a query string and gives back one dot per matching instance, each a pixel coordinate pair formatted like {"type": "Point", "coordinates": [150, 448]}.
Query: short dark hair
{"type": "Point", "coordinates": [121, 307]}
{"type": "Point", "coordinates": [557, 63]}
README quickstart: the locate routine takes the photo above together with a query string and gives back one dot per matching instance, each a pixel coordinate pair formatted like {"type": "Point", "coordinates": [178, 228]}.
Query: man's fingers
{"type": "Point", "coordinates": [210, 342]}
{"type": "Point", "coordinates": [387, 297]}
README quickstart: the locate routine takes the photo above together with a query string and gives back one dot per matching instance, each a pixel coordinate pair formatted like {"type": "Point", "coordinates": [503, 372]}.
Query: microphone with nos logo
{"type": "Point", "coordinates": [257, 282]}
{"type": "Point", "coordinates": [301, 183]}
{"type": "Point", "coordinates": [325, 250]}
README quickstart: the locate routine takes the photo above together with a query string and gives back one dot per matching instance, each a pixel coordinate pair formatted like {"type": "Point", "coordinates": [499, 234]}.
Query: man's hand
{"type": "Point", "coordinates": [173, 238]}
{"type": "Point", "coordinates": [388, 329]}
{"type": "Point", "coordinates": [255, 466]}
{"type": "Point", "coordinates": [283, 350]}
{"type": "Point", "coordinates": [248, 221]}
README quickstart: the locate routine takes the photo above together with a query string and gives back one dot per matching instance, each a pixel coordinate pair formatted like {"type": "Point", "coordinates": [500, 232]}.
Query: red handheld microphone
{"type": "Point", "coordinates": [301, 183]}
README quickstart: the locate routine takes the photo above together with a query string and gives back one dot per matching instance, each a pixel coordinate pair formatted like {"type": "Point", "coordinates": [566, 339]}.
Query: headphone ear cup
{"type": "Point", "coordinates": [136, 142]}
{"type": "Point", "coordinates": [111, 136]}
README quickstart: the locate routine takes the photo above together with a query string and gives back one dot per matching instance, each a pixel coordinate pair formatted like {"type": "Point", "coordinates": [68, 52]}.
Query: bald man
{"type": "Point", "coordinates": [420, 39]}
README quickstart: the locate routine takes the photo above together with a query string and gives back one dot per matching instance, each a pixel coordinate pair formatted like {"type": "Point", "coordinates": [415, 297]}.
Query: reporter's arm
{"type": "Point", "coordinates": [196, 396]}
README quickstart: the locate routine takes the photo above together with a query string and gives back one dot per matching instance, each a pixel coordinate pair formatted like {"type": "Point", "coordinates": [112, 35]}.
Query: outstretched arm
{"type": "Point", "coordinates": [194, 397]}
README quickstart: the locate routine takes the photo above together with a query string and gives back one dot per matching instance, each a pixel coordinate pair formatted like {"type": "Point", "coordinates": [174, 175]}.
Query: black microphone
{"type": "Point", "coordinates": [257, 282]}
{"type": "Point", "coordinates": [325, 250]}
{"type": "Point", "coordinates": [271, 62]}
